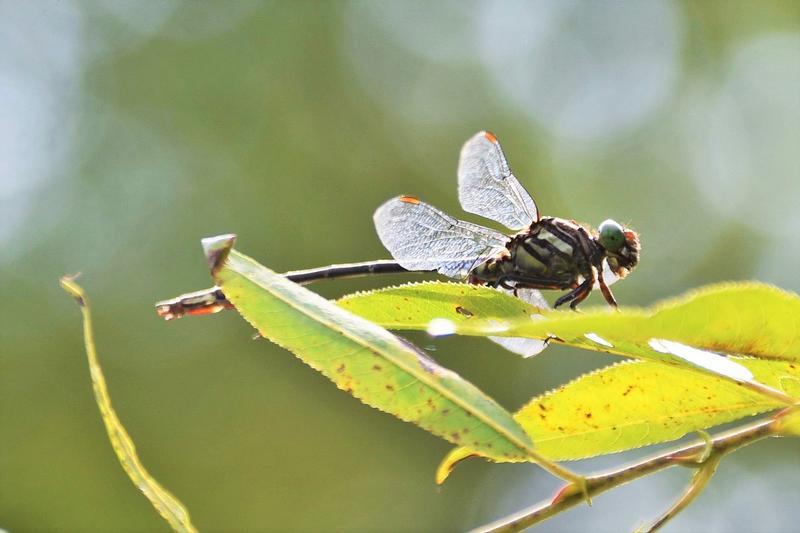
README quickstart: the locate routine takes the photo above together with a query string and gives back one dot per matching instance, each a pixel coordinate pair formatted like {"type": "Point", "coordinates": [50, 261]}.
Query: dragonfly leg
{"type": "Point", "coordinates": [581, 297]}
{"type": "Point", "coordinates": [605, 290]}
{"type": "Point", "coordinates": [576, 295]}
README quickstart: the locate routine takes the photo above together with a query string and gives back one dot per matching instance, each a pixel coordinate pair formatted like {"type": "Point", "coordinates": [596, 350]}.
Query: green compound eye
{"type": "Point", "coordinates": [612, 236]}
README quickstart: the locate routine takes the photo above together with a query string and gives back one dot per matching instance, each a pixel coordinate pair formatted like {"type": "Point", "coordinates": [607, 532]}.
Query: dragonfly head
{"type": "Point", "coordinates": [621, 245]}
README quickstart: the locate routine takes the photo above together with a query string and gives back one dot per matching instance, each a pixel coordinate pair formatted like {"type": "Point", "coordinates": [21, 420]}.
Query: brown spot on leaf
{"type": "Point", "coordinates": [389, 387]}
{"type": "Point", "coordinates": [377, 367]}
{"type": "Point", "coordinates": [463, 311]}
{"type": "Point", "coordinates": [341, 368]}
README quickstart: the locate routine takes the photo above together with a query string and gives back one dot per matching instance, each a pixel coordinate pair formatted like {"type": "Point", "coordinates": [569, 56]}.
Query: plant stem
{"type": "Point", "coordinates": [599, 483]}
{"type": "Point", "coordinates": [699, 482]}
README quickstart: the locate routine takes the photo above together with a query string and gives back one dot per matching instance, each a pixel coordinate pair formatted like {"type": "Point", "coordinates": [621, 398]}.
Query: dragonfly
{"type": "Point", "coordinates": [539, 253]}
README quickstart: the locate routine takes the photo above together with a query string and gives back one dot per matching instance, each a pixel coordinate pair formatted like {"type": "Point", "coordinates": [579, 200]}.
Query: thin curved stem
{"type": "Point", "coordinates": [599, 483]}
{"type": "Point", "coordinates": [699, 481]}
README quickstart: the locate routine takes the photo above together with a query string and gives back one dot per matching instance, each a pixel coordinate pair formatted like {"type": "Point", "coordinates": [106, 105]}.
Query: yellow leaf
{"type": "Point", "coordinates": [167, 505]}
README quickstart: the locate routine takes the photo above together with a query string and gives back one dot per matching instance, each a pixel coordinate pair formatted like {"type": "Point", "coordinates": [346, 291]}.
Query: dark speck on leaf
{"type": "Point", "coordinates": [463, 311]}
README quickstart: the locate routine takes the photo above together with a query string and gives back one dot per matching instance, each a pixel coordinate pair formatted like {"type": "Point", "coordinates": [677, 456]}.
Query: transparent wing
{"type": "Point", "coordinates": [521, 345]}
{"type": "Point", "coordinates": [420, 237]}
{"type": "Point", "coordinates": [608, 276]}
{"type": "Point", "coordinates": [486, 186]}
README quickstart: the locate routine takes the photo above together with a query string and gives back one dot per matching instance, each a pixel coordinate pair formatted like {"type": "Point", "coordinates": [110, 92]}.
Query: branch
{"type": "Point", "coordinates": [701, 478]}
{"type": "Point", "coordinates": [568, 497]}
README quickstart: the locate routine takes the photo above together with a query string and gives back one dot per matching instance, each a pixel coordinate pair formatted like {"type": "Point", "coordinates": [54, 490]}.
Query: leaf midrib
{"type": "Point", "coordinates": [365, 345]}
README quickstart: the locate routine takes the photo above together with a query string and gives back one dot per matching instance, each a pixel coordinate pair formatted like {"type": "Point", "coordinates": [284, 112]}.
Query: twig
{"type": "Point", "coordinates": [568, 497]}
{"type": "Point", "coordinates": [699, 482]}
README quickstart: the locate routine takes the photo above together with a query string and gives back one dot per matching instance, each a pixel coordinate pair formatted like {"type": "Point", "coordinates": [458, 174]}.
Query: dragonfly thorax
{"type": "Point", "coordinates": [552, 253]}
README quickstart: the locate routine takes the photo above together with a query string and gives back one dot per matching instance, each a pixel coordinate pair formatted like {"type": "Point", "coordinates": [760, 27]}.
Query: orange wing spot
{"type": "Point", "coordinates": [490, 136]}
{"type": "Point", "coordinates": [409, 199]}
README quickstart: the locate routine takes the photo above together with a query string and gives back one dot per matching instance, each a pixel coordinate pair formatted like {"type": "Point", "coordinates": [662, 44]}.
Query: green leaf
{"type": "Point", "coordinates": [737, 318]}
{"type": "Point", "coordinates": [638, 403]}
{"type": "Point", "coordinates": [167, 505]}
{"type": "Point", "coordinates": [750, 319]}
{"type": "Point", "coordinates": [473, 309]}
{"type": "Point", "coordinates": [364, 359]}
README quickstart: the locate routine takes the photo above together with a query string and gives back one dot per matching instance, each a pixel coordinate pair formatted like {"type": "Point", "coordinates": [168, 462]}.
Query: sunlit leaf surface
{"type": "Point", "coordinates": [165, 503]}
{"type": "Point", "coordinates": [733, 318]}
{"type": "Point", "coordinates": [473, 309]}
{"type": "Point", "coordinates": [364, 359]}
{"type": "Point", "coordinates": [637, 403]}
{"type": "Point", "coordinates": [749, 319]}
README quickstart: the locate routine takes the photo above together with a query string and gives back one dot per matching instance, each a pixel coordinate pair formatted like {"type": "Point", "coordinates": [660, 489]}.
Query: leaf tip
{"type": "Point", "coordinates": [455, 456]}
{"type": "Point", "coordinates": [216, 249]}
{"type": "Point", "coordinates": [73, 289]}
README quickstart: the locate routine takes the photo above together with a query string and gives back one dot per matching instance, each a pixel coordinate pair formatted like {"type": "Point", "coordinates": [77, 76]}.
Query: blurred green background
{"type": "Point", "coordinates": [129, 130]}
